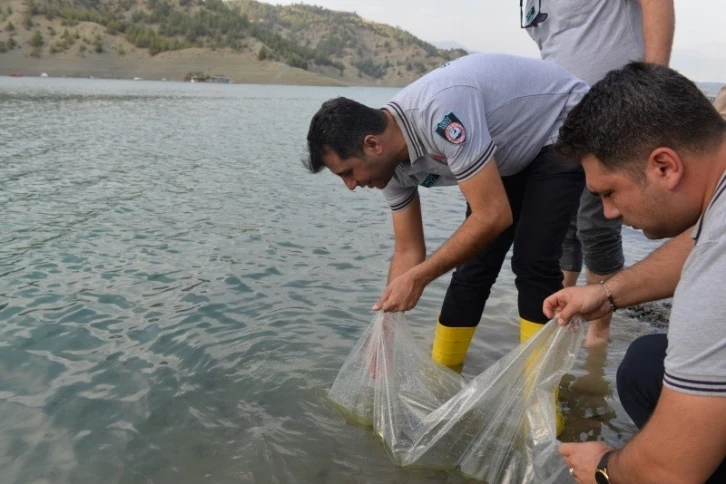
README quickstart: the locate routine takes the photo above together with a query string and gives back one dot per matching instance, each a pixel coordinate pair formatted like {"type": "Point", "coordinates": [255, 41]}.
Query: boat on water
{"type": "Point", "coordinates": [44, 74]}
{"type": "Point", "coordinates": [15, 74]}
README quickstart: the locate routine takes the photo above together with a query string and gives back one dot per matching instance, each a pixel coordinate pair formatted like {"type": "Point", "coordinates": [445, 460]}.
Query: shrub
{"type": "Point", "coordinates": [37, 39]}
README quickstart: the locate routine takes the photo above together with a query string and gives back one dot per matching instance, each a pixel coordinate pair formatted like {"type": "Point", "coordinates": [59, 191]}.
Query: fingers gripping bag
{"type": "Point", "coordinates": [499, 427]}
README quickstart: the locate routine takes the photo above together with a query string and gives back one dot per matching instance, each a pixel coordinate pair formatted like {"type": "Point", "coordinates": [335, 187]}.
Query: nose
{"type": "Point", "coordinates": [350, 183]}
{"type": "Point", "coordinates": [609, 210]}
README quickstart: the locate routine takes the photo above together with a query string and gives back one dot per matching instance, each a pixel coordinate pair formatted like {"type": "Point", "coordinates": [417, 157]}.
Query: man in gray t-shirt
{"type": "Point", "coordinates": [483, 123]}
{"type": "Point", "coordinates": [590, 38]}
{"type": "Point", "coordinates": [661, 168]}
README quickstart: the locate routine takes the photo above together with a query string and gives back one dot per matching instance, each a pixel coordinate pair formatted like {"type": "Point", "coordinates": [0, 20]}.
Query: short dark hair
{"type": "Point", "coordinates": [341, 125]}
{"type": "Point", "coordinates": [636, 109]}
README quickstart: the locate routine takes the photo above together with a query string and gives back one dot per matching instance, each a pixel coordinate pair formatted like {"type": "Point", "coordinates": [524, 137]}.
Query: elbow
{"type": "Point", "coordinates": [494, 221]}
{"type": "Point", "coordinates": [504, 220]}
{"type": "Point", "coordinates": [412, 253]}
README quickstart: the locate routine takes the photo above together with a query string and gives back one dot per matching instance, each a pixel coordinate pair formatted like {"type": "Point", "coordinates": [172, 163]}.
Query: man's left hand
{"type": "Point", "coordinates": [582, 459]}
{"type": "Point", "coordinates": [403, 293]}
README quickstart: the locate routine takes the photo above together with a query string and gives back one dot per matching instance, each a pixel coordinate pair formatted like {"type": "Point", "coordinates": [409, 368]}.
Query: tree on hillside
{"type": "Point", "coordinates": [37, 39]}
{"type": "Point", "coordinates": [263, 54]}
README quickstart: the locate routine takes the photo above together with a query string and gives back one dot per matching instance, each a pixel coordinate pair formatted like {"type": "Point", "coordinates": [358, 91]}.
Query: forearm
{"type": "Point", "coordinates": [634, 463]}
{"type": "Point", "coordinates": [476, 233]}
{"type": "Point", "coordinates": [646, 459]}
{"type": "Point", "coordinates": [663, 452]}
{"type": "Point", "coordinates": [403, 261]}
{"type": "Point", "coordinates": [659, 21]}
{"type": "Point", "coordinates": [653, 278]}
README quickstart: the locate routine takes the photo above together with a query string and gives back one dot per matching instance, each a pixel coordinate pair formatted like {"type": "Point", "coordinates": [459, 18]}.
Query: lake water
{"type": "Point", "coordinates": [177, 294]}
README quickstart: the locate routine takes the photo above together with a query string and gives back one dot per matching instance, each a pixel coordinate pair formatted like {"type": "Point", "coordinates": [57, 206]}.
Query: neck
{"type": "Point", "coordinates": [717, 160]}
{"type": "Point", "coordinates": [395, 138]}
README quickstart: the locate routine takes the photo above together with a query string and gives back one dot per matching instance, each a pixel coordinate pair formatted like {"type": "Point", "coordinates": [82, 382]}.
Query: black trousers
{"type": "Point", "coordinates": [640, 381]}
{"type": "Point", "coordinates": [544, 197]}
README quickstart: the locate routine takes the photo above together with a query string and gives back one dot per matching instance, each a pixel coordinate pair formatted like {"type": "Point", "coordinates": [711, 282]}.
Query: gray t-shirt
{"type": "Point", "coordinates": [587, 37]}
{"type": "Point", "coordinates": [696, 358]}
{"type": "Point", "coordinates": [455, 118]}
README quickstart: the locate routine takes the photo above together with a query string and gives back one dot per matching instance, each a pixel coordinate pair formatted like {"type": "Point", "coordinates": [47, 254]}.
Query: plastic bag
{"type": "Point", "coordinates": [500, 427]}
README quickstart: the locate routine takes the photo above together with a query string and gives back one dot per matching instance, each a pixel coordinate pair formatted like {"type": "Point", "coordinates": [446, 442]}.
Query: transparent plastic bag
{"type": "Point", "coordinates": [499, 427]}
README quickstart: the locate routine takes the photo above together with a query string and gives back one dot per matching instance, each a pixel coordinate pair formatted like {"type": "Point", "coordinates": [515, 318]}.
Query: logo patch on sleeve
{"type": "Point", "coordinates": [451, 129]}
{"type": "Point", "coordinates": [430, 181]}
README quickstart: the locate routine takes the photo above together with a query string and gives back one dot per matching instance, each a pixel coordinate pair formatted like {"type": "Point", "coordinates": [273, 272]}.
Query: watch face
{"type": "Point", "coordinates": [601, 477]}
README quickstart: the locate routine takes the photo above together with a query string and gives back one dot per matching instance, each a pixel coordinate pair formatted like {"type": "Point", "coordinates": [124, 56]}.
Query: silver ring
{"type": "Point", "coordinates": [572, 471]}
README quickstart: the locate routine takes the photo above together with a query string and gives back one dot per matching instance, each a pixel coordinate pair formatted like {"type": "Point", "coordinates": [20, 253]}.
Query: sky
{"type": "Point", "coordinates": [699, 48]}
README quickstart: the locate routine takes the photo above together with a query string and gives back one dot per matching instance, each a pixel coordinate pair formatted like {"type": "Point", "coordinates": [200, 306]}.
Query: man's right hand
{"type": "Point", "coordinates": [590, 302]}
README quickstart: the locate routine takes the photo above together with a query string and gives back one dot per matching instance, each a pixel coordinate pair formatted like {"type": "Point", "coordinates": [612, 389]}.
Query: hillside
{"type": "Point", "coordinates": [243, 39]}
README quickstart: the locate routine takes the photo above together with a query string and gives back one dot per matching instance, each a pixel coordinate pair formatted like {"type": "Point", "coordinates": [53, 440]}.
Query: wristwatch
{"type": "Point", "coordinates": [601, 474]}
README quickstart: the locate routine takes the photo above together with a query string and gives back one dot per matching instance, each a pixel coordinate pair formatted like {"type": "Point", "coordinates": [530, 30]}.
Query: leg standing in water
{"type": "Point", "coordinates": [589, 42]}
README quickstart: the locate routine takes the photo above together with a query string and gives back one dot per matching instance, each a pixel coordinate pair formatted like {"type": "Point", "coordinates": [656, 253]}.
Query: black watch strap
{"type": "Point", "coordinates": [601, 474]}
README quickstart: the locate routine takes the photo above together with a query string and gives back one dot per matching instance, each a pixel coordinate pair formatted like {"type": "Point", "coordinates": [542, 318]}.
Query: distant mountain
{"type": "Point", "coordinates": [126, 34]}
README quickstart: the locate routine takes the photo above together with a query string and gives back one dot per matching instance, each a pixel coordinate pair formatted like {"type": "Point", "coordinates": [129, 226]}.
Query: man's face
{"type": "Point", "coordinates": [369, 171]}
{"type": "Point", "coordinates": [640, 203]}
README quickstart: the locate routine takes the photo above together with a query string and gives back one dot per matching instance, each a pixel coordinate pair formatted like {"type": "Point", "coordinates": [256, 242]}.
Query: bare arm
{"type": "Point", "coordinates": [659, 21]}
{"type": "Point", "coordinates": [490, 216]}
{"type": "Point", "coordinates": [653, 278]}
{"type": "Point", "coordinates": [410, 249]}
{"type": "Point", "coordinates": [683, 442]}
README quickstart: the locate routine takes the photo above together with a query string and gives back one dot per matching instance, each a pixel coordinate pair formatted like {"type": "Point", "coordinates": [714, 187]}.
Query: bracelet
{"type": "Point", "coordinates": [613, 307]}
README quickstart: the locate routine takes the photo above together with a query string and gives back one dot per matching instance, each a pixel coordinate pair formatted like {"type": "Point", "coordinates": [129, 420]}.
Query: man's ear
{"type": "Point", "coordinates": [372, 145]}
{"type": "Point", "coordinates": [665, 167]}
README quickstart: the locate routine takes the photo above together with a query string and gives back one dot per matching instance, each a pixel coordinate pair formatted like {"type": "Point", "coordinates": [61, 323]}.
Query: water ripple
{"type": "Point", "coordinates": [177, 294]}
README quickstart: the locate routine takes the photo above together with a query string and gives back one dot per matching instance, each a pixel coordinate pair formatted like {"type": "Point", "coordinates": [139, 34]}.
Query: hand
{"type": "Point", "coordinates": [403, 292]}
{"type": "Point", "coordinates": [590, 302]}
{"type": "Point", "coordinates": [582, 459]}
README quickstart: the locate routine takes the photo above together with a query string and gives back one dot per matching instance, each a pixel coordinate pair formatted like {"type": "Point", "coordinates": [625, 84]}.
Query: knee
{"type": "Point", "coordinates": [537, 266]}
{"type": "Point", "coordinates": [602, 249]}
{"type": "Point", "coordinates": [473, 280]}
{"type": "Point", "coordinates": [642, 365]}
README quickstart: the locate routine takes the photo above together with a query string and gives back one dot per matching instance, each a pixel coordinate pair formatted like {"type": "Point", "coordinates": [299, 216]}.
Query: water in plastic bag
{"type": "Point", "coordinates": [499, 427]}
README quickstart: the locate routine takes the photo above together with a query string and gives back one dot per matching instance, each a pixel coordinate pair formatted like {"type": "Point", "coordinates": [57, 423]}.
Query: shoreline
{"type": "Point", "coordinates": [174, 66]}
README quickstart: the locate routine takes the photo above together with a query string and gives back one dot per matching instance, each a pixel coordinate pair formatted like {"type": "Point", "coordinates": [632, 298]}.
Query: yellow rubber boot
{"type": "Point", "coordinates": [451, 344]}
{"type": "Point", "coordinates": [527, 329]}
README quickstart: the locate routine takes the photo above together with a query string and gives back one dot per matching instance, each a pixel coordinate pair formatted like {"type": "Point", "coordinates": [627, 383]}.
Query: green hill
{"type": "Point", "coordinates": [238, 38]}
